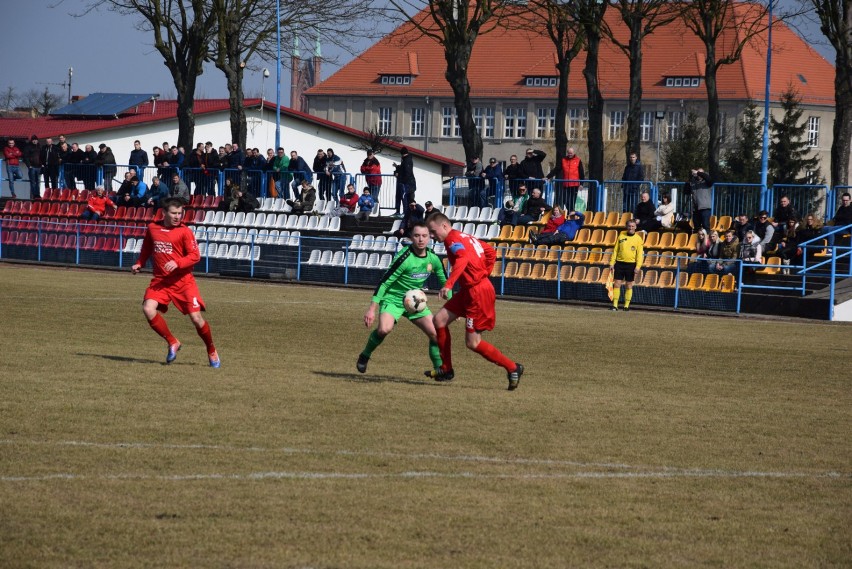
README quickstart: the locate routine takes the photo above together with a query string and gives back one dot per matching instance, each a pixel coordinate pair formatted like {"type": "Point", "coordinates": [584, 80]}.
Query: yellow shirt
{"type": "Point", "coordinates": [628, 249]}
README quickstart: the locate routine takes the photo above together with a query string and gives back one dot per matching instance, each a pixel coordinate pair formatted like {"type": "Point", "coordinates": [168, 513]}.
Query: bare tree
{"type": "Point", "coordinates": [835, 18]}
{"type": "Point", "coordinates": [182, 32]}
{"type": "Point", "coordinates": [42, 102]}
{"type": "Point", "coordinates": [641, 17]}
{"type": "Point", "coordinates": [590, 13]}
{"type": "Point", "coordinates": [8, 98]}
{"type": "Point", "coordinates": [246, 29]}
{"type": "Point", "coordinates": [373, 139]}
{"type": "Point", "coordinates": [456, 25]}
{"type": "Point", "coordinates": [712, 21]}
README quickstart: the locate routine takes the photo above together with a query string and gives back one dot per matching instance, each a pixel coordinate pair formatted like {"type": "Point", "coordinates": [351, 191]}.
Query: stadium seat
{"type": "Point", "coordinates": [485, 215]}
{"type": "Point", "coordinates": [583, 236]}
{"type": "Point", "coordinates": [511, 270]}
{"type": "Point", "coordinates": [649, 278]}
{"type": "Point", "coordinates": [696, 280]}
{"type": "Point", "coordinates": [460, 213]}
{"type": "Point", "coordinates": [711, 283]}
{"type": "Point", "coordinates": [565, 273]}
{"type": "Point", "coordinates": [581, 255]}
{"type": "Point", "coordinates": [293, 240]}
{"type": "Point", "coordinates": [568, 254]}
{"type": "Point", "coordinates": [320, 257]}
{"type": "Point", "coordinates": [595, 219]}
{"type": "Point", "coordinates": [524, 271]}
{"type": "Point", "coordinates": [207, 202]}
{"type": "Point", "coordinates": [379, 243]}
{"type": "Point", "coordinates": [472, 214]}
{"type": "Point", "coordinates": [242, 235]}
{"type": "Point", "coordinates": [80, 196]}
{"type": "Point", "coordinates": [497, 268]}
{"type": "Point", "coordinates": [527, 252]}
{"type": "Point", "coordinates": [513, 251]}
{"type": "Point", "coordinates": [773, 267]}
{"type": "Point", "coordinates": [292, 221]}
{"type": "Point", "coordinates": [239, 219]}
{"type": "Point", "coordinates": [578, 275]}
{"type": "Point", "coordinates": [651, 240]}
{"type": "Point", "coordinates": [233, 252]}
{"type": "Point", "coordinates": [196, 201]}
{"type": "Point", "coordinates": [610, 238]}
{"type": "Point", "coordinates": [666, 279]}
{"type": "Point", "coordinates": [728, 283]}
{"type": "Point", "coordinates": [592, 275]}
{"type": "Point", "coordinates": [611, 220]}
{"type": "Point", "coordinates": [334, 224]}
{"type": "Point", "coordinates": [367, 242]}
{"type": "Point", "coordinates": [481, 231]}
{"type": "Point", "coordinates": [724, 223]}
{"type": "Point", "coordinates": [666, 241]}
{"type": "Point", "coordinates": [595, 256]}
{"type": "Point", "coordinates": [680, 242]}
{"type": "Point", "coordinates": [458, 225]}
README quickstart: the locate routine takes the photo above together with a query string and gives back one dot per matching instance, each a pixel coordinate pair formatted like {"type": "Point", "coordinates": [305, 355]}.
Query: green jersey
{"type": "Point", "coordinates": [406, 272]}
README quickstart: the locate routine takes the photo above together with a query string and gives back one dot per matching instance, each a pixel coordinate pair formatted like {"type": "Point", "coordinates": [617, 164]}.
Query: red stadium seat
{"type": "Point", "coordinates": [71, 242]}
{"type": "Point", "coordinates": [65, 195]}
{"type": "Point", "coordinates": [74, 210]}
{"type": "Point", "coordinates": [199, 216]}
{"type": "Point", "coordinates": [61, 240]}
{"type": "Point", "coordinates": [50, 240]}
{"type": "Point", "coordinates": [148, 215]}
{"type": "Point", "coordinates": [216, 201]}
{"type": "Point", "coordinates": [121, 212]}
{"type": "Point", "coordinates": [109, 244]}
{"type": "Point", "coordinates": [63, 209]}
{"type": "Point", "coordinates": [9, 237]}
{"type": "Point", "coordinates": [196, 202]}
{"type": "Point", "coordinates": [31, 239]}
{"type": "Point", "coordinates": [26, 207]}
{"type": "Point", "coordinates": [78, 196]}
{"type": "Point", "coordinates": [54, 209]}
{"type": "Point", "coordinates": [159, 215]}
{"type": "Point", "coordinates": [188, 215]}
{"type": "Point", "coordinates": [207, 203]}
{"type": "Point", "coordinates": [8, 207]}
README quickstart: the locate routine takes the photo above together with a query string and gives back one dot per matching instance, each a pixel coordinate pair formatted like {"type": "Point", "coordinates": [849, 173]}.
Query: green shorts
{"type": "Point", "coordinates": [397, 310]}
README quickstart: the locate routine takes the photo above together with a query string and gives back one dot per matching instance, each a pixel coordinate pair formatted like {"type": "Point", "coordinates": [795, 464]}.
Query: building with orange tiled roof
{"type": "Point", "coordinates": [398, 86]}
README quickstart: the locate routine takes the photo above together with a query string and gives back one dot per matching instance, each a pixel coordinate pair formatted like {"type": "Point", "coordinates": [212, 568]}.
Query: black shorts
{"type": "Point", "coordinates": [624, 271]}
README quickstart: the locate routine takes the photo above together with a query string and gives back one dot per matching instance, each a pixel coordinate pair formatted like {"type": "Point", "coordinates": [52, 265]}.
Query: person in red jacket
{"type": "Point", "coordinates": [570, 170]}
{"type": "Point", "coordinates": [557, 218]}
{"type": "Point", "coordinates": [471, 263]}
{"type": "Point", "coordinates": [12, 155]}
{"type": "Point", "coordinates": [373, 170]}
{"type": "Point", "coordinates": [348, 203]}
{"type": "Point", "coordinates": [173, 251]}
{"type": "Point", "coordinates": [97, 204]}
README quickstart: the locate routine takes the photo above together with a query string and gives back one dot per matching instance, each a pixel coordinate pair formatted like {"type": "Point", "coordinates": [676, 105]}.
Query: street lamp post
{"type": "Point", "coordinates": [263, 100]}
{"type": "Point", "coordinates": [278, 75]}
{"type": "Point", "coordinates": [660, 116]}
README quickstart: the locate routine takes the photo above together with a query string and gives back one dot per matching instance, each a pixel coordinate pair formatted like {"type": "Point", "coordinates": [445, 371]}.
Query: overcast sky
{"type": "Point", "coordinates": [108, 54]}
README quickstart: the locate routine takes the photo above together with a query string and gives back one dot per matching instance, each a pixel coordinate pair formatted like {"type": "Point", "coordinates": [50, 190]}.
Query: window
{"type": "Point", "coordinates": [674, 124]}
{"type": "Point", "coordinates": [669, 82]}
{"type": "Point", "coordinates": [616, 124]}
{"type": "Point", "coordinates": [546, 122]}
{"type": "Point", "coordinates": [578, 124]}
{"type": "Point", "coordinates": [541, 81]}
{"type": "Point", "coordinates": [646, 126]}
{"type": "Point", "coordinates": [385, 121]}
{"type": "Point", "coordinates": [384, 79]}
{"type": "Point", "coordinates": [813, 132]}
{"type": "Point", "coordinates": [515, 121]}
{"type": "Point", "coordinates": [449, 122]}
{"type": "Point", "coordinates": [483, 118]}
{"type": "Point", "coordinates": [418, 121]}
{"type": "Point", "coordinates": [678, 82]}
{"type": "Point", "coordinates": [396, 79]}
{"type": "Point", "coordinates": [695, 81]}
{"type": "Point", "coordinates": [553, 81]}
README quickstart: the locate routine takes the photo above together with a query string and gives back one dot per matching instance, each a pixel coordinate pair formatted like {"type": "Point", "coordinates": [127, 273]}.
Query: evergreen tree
{"type": "Point", "coordinates": [742, 161]}
{"type": "Point", "coordinates": [789, 157]}
{"type": "Point", "coordinates": [688, 151]}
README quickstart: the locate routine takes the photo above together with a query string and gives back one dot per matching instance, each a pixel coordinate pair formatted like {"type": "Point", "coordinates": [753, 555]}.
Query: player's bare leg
{"type": "Point", "coordinates": [158, 324]}
{"type": "Point", "coordinates": [443, 318]}
{"type": "Point", "coordinates": [203, 329]}
{"type": "Point", "coordinates": [473, 340]}
{"type": "Point", "coordinates": [427, 324]}
{"type": "Point", "coordinates": [377, 336]}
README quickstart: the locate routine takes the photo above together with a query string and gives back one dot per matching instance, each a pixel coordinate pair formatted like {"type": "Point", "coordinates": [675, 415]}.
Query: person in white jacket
{"type": "Point", "coordinates": [663, 215]}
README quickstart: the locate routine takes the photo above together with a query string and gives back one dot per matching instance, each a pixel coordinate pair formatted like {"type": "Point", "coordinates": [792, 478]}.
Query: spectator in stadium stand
{"type": "Point", "coordinates": [565, 232]}
{"type": "Point", "coordinates": [751, 251]}
{"type": "Point", "coordinates": [406, 185]}
{"type": "Point", "coordinates": [843, 216]}
{"type": "Point", "coordinates": [175, 160]}
{"type": "Point", "coordinates": [531, 166]}
{"type": "Point", "coordinates": [569, 168]}
{"type": "Point", "coordinates": [97, 204]}
{"type": "Point", "coordinates": [238, 200]}
{"type": "Point", "coordinates": [32, 160]}
{"type": "Point", "coordinates": [50, 164]}
{"type": "Point", "coordinates": [348, 202]}
{"type": "Point", "coordinates": [741, 225]}
{"type": "Point", "coordinates": [557, 218]}
{"type": "Point", "coordinates": [300, 171]}
{"type": "Point", "coordinates": [414, 214]}
{"type": "Point", "coordinates": [534, 208]}
{"type": "Point", "coordinates": [307, 198]}
{"type": "Point", "coordinates": [782, 213]}
{"type": "Point", "coordinates": [236, 159]}
{"type": "Point", "coordinates": [365, 204]}
{"type": "Point", "coordinates": [195, 170]}
{"type": "Point", "coordinates": [475, 183]}
{"type": "Point", "coordinates": [179, 189]}
{"type": "Point", "coordinates": [514, 175]}
{"type": "Point", "coordinates": [212, 163]}
{"type": "Point", "coordinates": [429, 209]}
{"type": "Point", "coordinates": [279, 169]}
{"type": "Point", "coordinates": [507, 214]}
{"type": "Point", "coordinates": [160, 161]}
{"type": "Point", "coordinates": [518, 206]}
{"type": "Point", "coordinates": [372, 169]}
{"type": "Point", "coordinates": [336, 170]}
{"type": "Point", "coordinates": [663, 215]}
{"type": "Point", "coordinates": [73, 165]}
{"type": "Point", "coordinates": [811, 228]}
{"type": "Point", "coordinates": [12, 155]}
{"type": "Point", "coordinates": [323, 179]}
{"type": "Point", "coordinates": [705, 248]}
{"type": "Point", "coordinates": [106, 161]}
{"type": "Point", "coordinates": [764, 229]}
{"type": "Point", "coordinates": [254, 164]}
{"type": "Point", "coordinates": [633, 172]}
{"type": "Point", "coordinates": [645, 214]}
{"type": "Point", "coordinates": [156, 192]}
{"type": "Point", "coordinates": [138, 158]}
{"type": "Point", "coordinates": [700, 187]}
{"type": "Point", "coordinates": [139, 187]}
{"type": "Point", "coordinates": [788, 246]}
{"type": "Point", "coordinates": [493, 173]}
{"type": "Point", "coordinates": [126, 188]}
{"type": "Point", "coordinates": [728, 253]}
{"type": "Point", "coordinates": [89, 167]}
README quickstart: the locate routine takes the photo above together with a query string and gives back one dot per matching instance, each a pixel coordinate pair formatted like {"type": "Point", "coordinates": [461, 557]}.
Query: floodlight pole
{"type": "Point", "coordinates": [70, 73]}
{"type": "Point", "coordinates": [660, 116]}
{"type": "Point", "coordinates": [764, 154]}
{"type": "Point", "coordinates": [278, 76]}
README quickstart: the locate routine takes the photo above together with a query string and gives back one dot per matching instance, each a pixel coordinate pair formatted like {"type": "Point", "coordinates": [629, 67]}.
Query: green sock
{"type": "Point", "coordinates": [435, 355]}
{"type": "Point", "coordinates": [373, 342]}
{"type": "Point", "coordinates": [628, 296]}
{"type": "Point", "coordinates": [616, 294]}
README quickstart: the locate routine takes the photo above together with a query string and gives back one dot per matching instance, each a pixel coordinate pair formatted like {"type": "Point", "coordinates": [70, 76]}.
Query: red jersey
{"type": "Point", "coordinates": [163, 244]}
{"type": "Point", "coordinates": [98, 204]}
{"type": "Point", "coordinates": [471, 259]}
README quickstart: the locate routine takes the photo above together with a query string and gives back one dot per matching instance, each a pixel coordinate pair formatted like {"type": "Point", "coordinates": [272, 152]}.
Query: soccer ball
{"type": "Point", "coordinates": [414, 301]}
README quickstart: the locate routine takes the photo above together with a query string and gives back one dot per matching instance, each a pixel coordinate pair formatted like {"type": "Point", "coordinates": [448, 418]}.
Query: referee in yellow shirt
{"type": "Point", "coordinates": [625, 264]}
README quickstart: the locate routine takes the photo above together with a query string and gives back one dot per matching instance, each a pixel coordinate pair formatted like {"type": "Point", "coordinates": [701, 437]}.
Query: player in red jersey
{"type": "Point", "coordinates": [173, 250]}
{"type": "Point", "coordinates": [471, 262]}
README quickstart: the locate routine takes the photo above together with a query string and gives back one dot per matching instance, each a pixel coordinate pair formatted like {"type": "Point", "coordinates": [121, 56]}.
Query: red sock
{"type": "Point", "coordinates": [444, 345]}
{"type": "Point", "coordinates": [205, 334]}
{"type": "Point", "coordinates": [492, 354]}
{"type": "Point", "coordinates": [158, 324]}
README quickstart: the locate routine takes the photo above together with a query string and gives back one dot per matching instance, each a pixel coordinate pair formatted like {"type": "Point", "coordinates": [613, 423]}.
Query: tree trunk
{"type": "Point", "coordinates": [841, 148]}
{"type": "Point", "coordinates": [713, 141]}
{"type": "Point", "coordinates": [185, 79]}
{"type": "Point", "coordinates": [634, 103]}
{"type": "Point", "coordinates": [561, 134]}
{"type": "Point", "coordinates": [234, 76]}
{"type": "Point", "coordinates": [456, 75]}
{"type": "Point", "coordinates": [590, 72]}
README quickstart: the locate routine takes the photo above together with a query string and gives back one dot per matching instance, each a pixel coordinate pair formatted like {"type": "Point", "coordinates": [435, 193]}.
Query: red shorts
{"type": "Point", "coordinates": [183, 294]}
{"type": "Point", "coordinates": [475, 305]}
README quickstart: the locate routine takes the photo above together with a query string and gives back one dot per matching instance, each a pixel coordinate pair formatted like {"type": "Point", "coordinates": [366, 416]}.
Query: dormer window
{"type": "Point", "coordinates": [397, 79]}
{"type": "Point", "coordinates": [541, 81]}
{"type": "Point", "coordinates": [683, 81]}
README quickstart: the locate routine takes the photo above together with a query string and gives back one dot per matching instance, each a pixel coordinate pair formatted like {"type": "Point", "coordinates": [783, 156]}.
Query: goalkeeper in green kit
{"type": "Point", "coordinates": [409, 270]}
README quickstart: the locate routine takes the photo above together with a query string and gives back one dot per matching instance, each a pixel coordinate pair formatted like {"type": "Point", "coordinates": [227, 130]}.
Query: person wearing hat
{"type": "Point", "coordinates": [494, 174]}
{"type": "Point", "coordinates": [32, 160]}
{"type": "Point", "coordinates": [430, 209]}
{"type": "Point", "coordinates": [105, 161]}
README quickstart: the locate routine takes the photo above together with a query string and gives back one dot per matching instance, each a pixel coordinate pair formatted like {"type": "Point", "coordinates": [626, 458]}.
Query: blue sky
{"type": "Point", "coordinates": [108, 54]}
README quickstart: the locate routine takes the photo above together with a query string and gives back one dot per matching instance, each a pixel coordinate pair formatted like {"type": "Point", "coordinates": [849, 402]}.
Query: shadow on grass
{"type": "Point", "coordinates": [122, 359]}
{"type": "Point", "coordinates": [372, 378]}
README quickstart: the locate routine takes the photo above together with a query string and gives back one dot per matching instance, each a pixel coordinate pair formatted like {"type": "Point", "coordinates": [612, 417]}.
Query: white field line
{"type": "Point", "coordinates": [630, 471]}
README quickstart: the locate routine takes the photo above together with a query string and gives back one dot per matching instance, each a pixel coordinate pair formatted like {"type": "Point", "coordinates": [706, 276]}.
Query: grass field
{"type": "Point", "coordinates": [639, 439]}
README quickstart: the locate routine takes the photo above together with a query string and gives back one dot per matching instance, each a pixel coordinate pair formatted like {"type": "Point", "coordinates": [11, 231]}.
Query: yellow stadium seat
{"type": "Point", "coordinates": [553, 253]}
{"type": "Point", "coordinates": [680, 242]}
{"type": "Point", "coordinates": [595, 256]}
{"type": "Point", "coordinates": [537, 271]}
{"type": "Point", "coordinates": [649, 278]}
{"type": "Point", "coordinates": [568, 254]}
{"type": "Point", "coordinates": [683, 279]}
{"type": "Point", "coordinates": [651, 240]}
{"type": "Point", "coordinates": [514, 251]}
{"type": "Point", "coordinates": [541, 253]}
{"type": "Point", "coordinates": [695, 281]}
{"type": "Point", "coordinates": [579, 274]}
{"type": "Point", "coordinates": [592, 275]}
{"type": "Point", "coordinates": [565, 273]}
{"type": "Point", "coordinates": [711, 283]}
{"type": "Point", "coordinates": [666, 260]}
{"type": "Point", "coordinates": [728, 283]}
{"type": "Point", "coordinates": [597, 237]}
{"type": "Point", "coordinates": [610, 238]}
{"type": "Point", "coordinates": [582, 255]}
{"type": "Point", "coordinates": [511, 270]}
{"type": "Point", "coordinates": [527, 252]}
{"type": "Point", "coordinates": [666, 279]}
{"type": "Point", "coordinates": [604, 275]}
{"type": "Point", "coordinates": [597, 220]}
{"type": "Point", "coordinates": [582, 236]}
{"type": "Point", "coordinates": [713, 221]}
{"type": "Point", "coordinates": [505, 233]}
{"type": "Point", "coordinates": [611, 219]}
{"type": "Point", "coordinates": [519, 233]}
{"type": "Point", "coordinates": [666, 240]}
{"type": "Point", "coordinates": [497, 269]}
{"type": "Point", "coordinates": [773, 267]}
{"type": "Point", "coordinates": [607, 256]}
{"type": "Point", "coordinates": [724, 223]}
{"type": "Point", "coordinates": [524, 271]}
{"type": "Point", "coordinates": [624, 218]}
{"type": "Point", "coordinates": [550, 273]}
{"type": "Point", "coordinates": [651, 260]}
{"type": "Point", "coordinates": [682, 260]}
